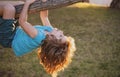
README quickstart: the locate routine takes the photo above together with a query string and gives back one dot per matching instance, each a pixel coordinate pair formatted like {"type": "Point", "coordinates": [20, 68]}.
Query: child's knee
{"type": "Point", "coordinates": [9, 8]}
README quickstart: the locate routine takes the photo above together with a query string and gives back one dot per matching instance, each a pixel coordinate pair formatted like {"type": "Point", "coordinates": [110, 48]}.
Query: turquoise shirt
{"type": "Point", "coordinates": [23, 43]}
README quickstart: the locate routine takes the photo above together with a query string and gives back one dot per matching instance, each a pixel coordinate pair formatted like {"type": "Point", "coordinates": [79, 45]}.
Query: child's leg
{"type": "Point", "coordinates": [7, 25]}
{"type": "Point", "coordinates": [8, 11]}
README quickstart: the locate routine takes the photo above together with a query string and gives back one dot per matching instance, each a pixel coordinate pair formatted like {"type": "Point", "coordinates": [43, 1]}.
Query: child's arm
{"type": "Point", "coordinates": [44, 18]}
{"type": "Point", "coordinates": [27, 27]}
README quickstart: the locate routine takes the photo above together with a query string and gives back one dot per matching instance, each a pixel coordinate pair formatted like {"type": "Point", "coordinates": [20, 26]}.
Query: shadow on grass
{"type": "Point", "coordinates": [8, 73]}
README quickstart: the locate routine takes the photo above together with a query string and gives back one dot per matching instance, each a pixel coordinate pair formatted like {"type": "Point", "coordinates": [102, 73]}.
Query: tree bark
{"type": "Point", "coordinates": [49, 4]}
{"type": "Point", "coordinates": [115, 4]}
{"type": "Point", "coordinates": [85, 0]}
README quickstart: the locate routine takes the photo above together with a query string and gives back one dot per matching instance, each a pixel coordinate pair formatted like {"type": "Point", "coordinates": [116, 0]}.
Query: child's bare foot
{"type": "Point", "coordinates": [44, 0]}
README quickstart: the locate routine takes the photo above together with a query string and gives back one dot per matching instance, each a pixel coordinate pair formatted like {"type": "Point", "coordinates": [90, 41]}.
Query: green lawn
{"type": "Point", "coordinates": [97, 34]}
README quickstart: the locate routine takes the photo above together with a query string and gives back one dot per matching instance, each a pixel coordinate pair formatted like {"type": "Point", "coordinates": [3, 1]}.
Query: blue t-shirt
{"type": "Point", "coordinates": [23, 43]}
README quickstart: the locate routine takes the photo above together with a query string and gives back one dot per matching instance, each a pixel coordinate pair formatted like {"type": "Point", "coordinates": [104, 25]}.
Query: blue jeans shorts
{"type": "Point", "coordinates": [7, 31]}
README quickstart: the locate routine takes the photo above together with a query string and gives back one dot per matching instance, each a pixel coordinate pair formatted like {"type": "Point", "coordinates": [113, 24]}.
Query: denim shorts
{"type": "Point", "coordinates": [7, 31]}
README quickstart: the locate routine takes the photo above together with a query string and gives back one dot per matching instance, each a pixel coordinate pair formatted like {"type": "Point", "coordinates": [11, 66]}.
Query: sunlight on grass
{"type": "Point", "coordinates": [84, 5]}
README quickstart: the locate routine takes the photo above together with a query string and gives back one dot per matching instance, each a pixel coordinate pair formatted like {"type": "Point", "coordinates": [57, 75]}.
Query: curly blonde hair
{"type": "Point", "coordinates": [54, 55]}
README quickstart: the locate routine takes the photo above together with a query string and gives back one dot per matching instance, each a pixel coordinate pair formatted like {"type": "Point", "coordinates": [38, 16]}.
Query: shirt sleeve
{"type": "Point", "coordinates": [48, 28]}
{"type": "Point", "coordinates": [41, 33]}
{"type": "Point", "coordinates": [39, 37]}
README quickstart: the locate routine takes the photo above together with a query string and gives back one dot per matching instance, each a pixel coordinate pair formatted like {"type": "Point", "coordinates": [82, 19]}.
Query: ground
{"type": "Point", "coordinates": [96, 31]}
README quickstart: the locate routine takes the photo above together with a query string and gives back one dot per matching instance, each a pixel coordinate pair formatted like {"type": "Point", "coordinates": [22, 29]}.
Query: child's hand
{"type": "Point", "coordinates": [30, 1]}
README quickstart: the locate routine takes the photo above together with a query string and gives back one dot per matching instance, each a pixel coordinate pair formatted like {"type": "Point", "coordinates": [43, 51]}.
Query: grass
{"type": "Point", "coordinates": [97, 34]}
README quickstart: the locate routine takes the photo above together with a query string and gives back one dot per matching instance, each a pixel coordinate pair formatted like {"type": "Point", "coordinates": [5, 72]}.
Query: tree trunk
{"type": "Point", "coordinates": [115, 4]}
{"type": "Point", "coordinates": [49, 4]}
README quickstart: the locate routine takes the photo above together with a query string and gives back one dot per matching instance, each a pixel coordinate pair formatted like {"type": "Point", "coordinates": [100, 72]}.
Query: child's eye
{"type": "Point", "coordinates": [52, 35]}
{"type": "Point", "coordinates": [60, 35]}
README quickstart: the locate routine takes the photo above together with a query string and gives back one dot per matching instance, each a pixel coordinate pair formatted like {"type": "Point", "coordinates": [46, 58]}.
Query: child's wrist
{"type": "Point", "coordinates": [27, 3]}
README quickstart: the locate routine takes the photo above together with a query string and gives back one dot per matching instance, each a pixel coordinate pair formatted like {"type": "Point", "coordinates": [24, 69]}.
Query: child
{"type": "Point", "coordinates": [55, 50]}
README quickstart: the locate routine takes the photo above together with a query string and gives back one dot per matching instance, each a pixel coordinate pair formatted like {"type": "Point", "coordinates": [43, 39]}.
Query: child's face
{"type": "Point", "coordinates": [58, 34]}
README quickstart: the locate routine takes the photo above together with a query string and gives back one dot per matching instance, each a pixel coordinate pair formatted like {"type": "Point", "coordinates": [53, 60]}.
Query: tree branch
{"type": "Point", "coordinates": [49, 4]}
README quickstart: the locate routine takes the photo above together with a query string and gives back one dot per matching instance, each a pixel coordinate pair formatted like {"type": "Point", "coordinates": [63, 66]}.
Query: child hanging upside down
{"type": "Point", "coordinates": [55, 50]}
